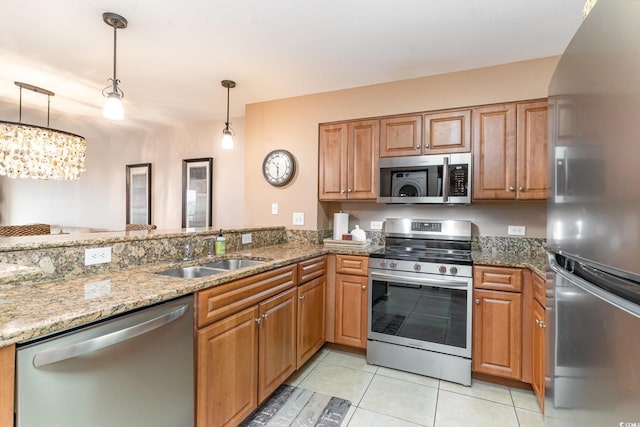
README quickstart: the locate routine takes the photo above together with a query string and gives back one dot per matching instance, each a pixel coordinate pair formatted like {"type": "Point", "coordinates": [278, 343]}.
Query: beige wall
{"type": "Point", "coordinates": [97, 200]}
{"type": "Point", "coordinates": [292, 124]}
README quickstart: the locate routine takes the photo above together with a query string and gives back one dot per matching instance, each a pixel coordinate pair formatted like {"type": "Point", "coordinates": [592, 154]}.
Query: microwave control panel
{"type": "Point", "coordinates": [458, 180]}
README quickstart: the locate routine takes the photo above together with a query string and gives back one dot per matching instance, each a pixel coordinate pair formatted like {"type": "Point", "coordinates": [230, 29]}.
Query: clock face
{"type": "Point", "coordinates": [278, 167]}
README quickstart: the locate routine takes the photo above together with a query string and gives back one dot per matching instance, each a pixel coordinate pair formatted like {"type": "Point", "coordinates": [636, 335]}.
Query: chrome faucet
{"type": "Point", "coordinates": [190, 246]}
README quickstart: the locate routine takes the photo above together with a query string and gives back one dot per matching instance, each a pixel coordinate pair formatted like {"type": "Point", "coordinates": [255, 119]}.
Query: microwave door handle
{"type": "Point", "coordinates": [58, 354]}
{"type": "Point", "coordinates": [445, 180]}
{"type": "Point", "coordinates": [418, 281]}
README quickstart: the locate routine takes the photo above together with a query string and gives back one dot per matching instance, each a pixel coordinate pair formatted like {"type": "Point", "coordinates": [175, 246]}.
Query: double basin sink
{"type": "Point", "coordinates": [209, 268]}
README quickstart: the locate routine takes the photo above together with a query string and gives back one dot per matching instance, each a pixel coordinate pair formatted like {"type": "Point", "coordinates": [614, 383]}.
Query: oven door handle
{"type": "Point", "coordinates": [419, 281]}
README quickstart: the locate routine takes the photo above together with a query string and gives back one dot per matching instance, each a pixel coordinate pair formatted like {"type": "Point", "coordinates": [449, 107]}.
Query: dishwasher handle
{"type": "Point", "coordinates": [78, 349]}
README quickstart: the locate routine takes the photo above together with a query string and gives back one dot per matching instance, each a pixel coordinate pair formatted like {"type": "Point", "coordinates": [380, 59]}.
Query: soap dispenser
{"type": "Point", "coordinates": [221, 244]}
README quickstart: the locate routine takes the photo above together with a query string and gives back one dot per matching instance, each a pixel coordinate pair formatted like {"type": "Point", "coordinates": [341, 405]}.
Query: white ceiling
{"type": "Point", "coordinates": [174, 54]}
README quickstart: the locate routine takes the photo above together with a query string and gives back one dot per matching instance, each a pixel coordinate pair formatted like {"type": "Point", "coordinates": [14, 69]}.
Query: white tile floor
{"type": "Point", "coordinates": [386, 397]}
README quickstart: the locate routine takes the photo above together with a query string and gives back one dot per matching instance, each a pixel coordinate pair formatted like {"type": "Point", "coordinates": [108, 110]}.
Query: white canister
{"type": "Point", "coordinates": [358, 235]}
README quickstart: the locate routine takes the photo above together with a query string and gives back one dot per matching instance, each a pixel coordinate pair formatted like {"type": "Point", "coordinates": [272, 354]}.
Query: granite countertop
{"type": "Point", "coordinates": [35, 310]}
{"type": "Point", "coordinates": [537, 262]}
{"type": "Point", "coordinates": [31, 311]}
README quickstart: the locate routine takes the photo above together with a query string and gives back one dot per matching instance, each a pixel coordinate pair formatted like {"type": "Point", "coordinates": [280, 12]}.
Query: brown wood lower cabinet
{"type": "Point", "coordinates": [497, 333]}
{"type": "Point", "coordinates": [351, 310]}
{"type": "Point", "coordinates": [538, 349]}
{"type": "Point", "coordinates": [244, 356]}
{"type": "Point", "coordinates": [311, 309]}
{"type": "Point", "coordinates": [7, 381]}
{"type": "Point", "coordinates": [227, 370]}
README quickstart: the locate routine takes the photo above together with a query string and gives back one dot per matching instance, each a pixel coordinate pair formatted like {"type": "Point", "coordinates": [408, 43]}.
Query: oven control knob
{"type": "Point", "coordinates": [383, 264]}
{"type": "Point", "coordinates": [453, 270]}
{"type": "Point", "coordinates": [417, 267]}
{"type": "Point", "coordinates": [442, 269]}
{"type": "Point", "coordinates": [393, 264]}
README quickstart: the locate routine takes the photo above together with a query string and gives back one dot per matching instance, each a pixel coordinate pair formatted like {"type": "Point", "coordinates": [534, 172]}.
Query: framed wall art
{"type": "Point", "coordinates": [139, 193]}
{"type": "Point", "coordinates": [197, 189]}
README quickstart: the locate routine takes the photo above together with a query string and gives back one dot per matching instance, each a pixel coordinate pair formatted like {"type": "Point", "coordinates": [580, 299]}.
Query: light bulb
{"type": "Point", "coordinates": [113, 107]}
{"type": "Point", "coordinates": [227, 140]}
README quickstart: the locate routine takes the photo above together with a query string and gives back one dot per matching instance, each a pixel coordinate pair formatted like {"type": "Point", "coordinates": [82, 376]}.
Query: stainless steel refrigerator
{"type": "Point", "coordinates": [593, 223]}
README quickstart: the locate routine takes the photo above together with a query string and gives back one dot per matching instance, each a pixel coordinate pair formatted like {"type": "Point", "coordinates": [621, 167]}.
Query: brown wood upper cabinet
{"type": "Point", "coordinates": [401, 136]}
{"type": "Point", "coordinates": [438, 132]}
{"type": "Point", "coordinates": [348, 160]}
{"type": "Point", "coordinates": [509, 151]}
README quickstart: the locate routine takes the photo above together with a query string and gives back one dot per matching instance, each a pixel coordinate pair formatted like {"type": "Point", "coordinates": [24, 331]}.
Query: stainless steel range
{"type": "Point", "coordinates": [420, 292]}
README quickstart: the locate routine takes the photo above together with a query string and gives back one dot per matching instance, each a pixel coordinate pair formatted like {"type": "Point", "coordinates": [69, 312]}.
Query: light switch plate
{"type": "Point", "coordinates": [516, 230]}
{"type": "Point", "coordinates": [246, 238]}
{"type": "Point", "coordinates": [94, 256]}
{"type": "Point", "coordinates": [274, 209]}
{"type": "Point", "coordinates": [298, 218]}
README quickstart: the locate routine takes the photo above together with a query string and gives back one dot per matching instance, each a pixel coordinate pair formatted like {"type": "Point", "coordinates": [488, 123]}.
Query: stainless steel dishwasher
{"type": "Point", "coordinates": [131, 370]}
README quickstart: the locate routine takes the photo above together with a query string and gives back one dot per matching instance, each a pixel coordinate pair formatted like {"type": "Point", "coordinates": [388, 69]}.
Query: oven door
{"type": "Point", "coordinates": [420, 310]}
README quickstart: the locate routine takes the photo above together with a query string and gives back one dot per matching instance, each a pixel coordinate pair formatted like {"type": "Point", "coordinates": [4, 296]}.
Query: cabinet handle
{"type": "Point", "coordinates": [302, 298]}
{"type": "Point", "coordinates": [477, 301]}
{"type": "Point", "coordinates": [511, 188]}
{"type": "Point", "coordinates": [538, 322]}
{"type": "Point", "coordinates": [426, 145]}
{"type": "Point", "coordinates": [349, 190]}
{"type": "Point", "coordinates": [418, 147]}
{"type": "Point", "coordinates": [542, 325]}
{"type": "Point", "coordinates": [364, 287]}
{"type": "Point", "coordinates": [521, 188]}
{"type": "Point", "coordinates": [342, 191]}
{"type": "Point", "coordinates": [258, 320]}
{"type": "Point", "coordinates": [265, 316]}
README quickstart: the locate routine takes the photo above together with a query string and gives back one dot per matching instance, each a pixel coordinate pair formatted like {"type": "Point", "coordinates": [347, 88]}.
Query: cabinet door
{"type": "Point", "coordinates": [532, 150]}
{"type": "Point", "coordinates": [227, 375]}
{"type": "Point", "coordinates": [494, 152]}
{"type": "Point", "coordinates": [537, 371]}
{"type": "Point", "coordinates": [351, 310]}
{"type": "Point", "coordinates": [497, 333]}
{"type": "Point", "coordinates": [311, 307]}
{"type": "Point", "coordinates": [332, 162]}
{"type": "Point", "coordinates": [401, 136]}
{"type": "Point", "coordinates": [7, 382]}
{"type": "Point", "coordinates": [447, 132]}
{"type": "Point", "coordinates": [277, 350]}
{"type": "Point", "coordinates": [362, 152]}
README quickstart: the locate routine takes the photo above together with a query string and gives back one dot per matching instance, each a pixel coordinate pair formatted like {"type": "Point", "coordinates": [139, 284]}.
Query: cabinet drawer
{"type": "Point", "coordinates": [312, 268]}
{"type": "Point", "coordinates": [349, 264]}
{"type": "Point", "coordinates": [539, 289]}
{"type": "Point", "coordinates": [497, 278]}
{"type": "Point", "coordinates": [224, 300]}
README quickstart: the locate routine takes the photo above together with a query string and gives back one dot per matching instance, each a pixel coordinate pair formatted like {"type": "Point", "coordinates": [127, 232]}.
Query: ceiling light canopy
{"type": "Point", "coordinates": [227, 132]}
{"type": "Point", "coordinates": [28, 151]}
{"type": "Point", "coordinates": [113, 105]}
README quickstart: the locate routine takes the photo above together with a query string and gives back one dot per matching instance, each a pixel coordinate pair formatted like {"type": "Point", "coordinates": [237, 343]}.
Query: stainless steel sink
{"type": "Point", "coordinates": [191, 272]}
{"type": "Point", "coordinates": [232, 264]}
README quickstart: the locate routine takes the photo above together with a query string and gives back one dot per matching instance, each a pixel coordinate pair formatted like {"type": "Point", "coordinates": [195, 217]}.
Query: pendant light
{"type": "Point", "coordinates": [29, 151]}
{"type": "Point", "coordinates": [227, 133]}
{"type": "Point", "coordinates": [113, 105]}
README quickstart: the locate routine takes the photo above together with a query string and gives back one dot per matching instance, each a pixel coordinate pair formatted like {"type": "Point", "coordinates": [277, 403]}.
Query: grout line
{"type": "Point", "coordinates": [435, 412]}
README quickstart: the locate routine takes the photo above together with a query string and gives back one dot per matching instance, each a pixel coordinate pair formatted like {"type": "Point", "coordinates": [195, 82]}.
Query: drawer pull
{"type": "Point", "coordinates": [477, 301]}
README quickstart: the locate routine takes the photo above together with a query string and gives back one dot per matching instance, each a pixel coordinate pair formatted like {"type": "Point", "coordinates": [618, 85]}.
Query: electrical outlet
{"type": "Point", "coordinates": [376, 225]}
{"type": "Point", "coordinates": [516, 230]}
{"type": "Point", "coordinates": [274, 209]}
{"type": "Point", "coordinates": [246, 238]}
{"type": "Point", "coordinates": [94, 256]}
{"type": "Point", "coordinates": [298, 218]}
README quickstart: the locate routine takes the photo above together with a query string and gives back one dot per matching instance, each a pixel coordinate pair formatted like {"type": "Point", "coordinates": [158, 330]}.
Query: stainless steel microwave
{"type": "Point", "coordinates": [441, 179]}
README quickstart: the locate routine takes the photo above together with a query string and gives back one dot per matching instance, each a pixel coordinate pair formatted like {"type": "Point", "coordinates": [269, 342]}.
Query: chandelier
{"type": "Point", "coordinates": [29, 151]}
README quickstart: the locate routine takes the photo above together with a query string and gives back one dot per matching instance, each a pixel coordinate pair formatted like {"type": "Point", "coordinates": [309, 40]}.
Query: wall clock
{"type": "Point", "coordinates": [278, 167]}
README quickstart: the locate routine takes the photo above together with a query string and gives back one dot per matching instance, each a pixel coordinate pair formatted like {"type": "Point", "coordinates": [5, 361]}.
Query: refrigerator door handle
{"type": "Point", "coordinates": [78, 349]}
{"type": "Point", "coordinates": [594, 290]}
